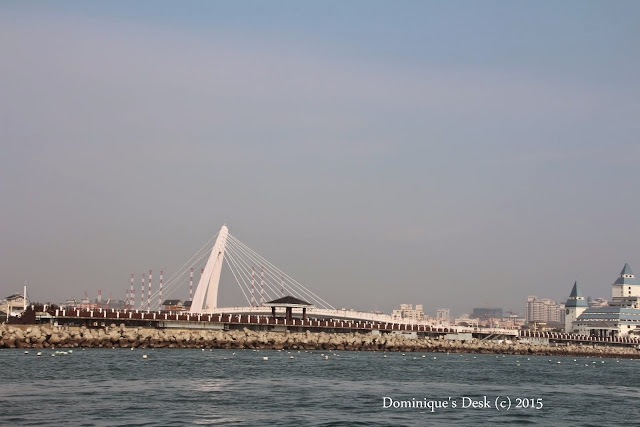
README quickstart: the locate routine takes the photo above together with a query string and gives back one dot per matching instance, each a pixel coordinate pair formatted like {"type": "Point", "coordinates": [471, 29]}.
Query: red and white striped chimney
{"type": "Point", "coordinates": [142, 293]}
{"type": "Point", "coordinates": [160, 294]}
{"type": "Point", "coordinates": [191, 286]}
{"type": "Point", "coordinates": [253, 279]}
{"type": "Point", "coordinates": [149, 295]}
{"type": "Point", "coordinates": [261, 285]}
{"type": "Point", "coordinates": [132, 295]}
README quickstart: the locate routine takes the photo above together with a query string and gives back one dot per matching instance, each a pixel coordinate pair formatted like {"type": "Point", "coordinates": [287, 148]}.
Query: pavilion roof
{"type": "Point", "coordinates": [288, 301]}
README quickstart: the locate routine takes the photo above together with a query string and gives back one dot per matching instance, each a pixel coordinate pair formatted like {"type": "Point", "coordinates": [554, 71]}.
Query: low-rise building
{"type": "Point", "coordinates": [172, 305]}
{"type": "Point", "coordinates": [465, 320]}
{"type": "Point", "coordinates": [621, 317]}
{"type": "Point", "coordinates": [14, 305]}
{"type": "Point", "coordinates": [407, 312]}
{"type": "Point", "coordinates": [512, 320]}
{"type": "Point", "coordinates": [487, 313]}
{"type": "Point", "coordinates": [597, 302]}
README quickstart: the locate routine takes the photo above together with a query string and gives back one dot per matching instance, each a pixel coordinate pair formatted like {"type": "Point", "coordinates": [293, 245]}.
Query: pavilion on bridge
{"type": "Point", "coordinates": [289, 303]}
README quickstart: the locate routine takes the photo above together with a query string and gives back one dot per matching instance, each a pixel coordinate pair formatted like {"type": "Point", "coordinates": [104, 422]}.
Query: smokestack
{"type": "Point", "coordinates": [160, 295]}
{"type": "Point", "coordinates": [149, 297]}
{"type": "Point", "coordinates": [99, 297]}
{"type": "Point", "coordinates": [253, 274]}
{"type": "Point", "coordinates": [132, 295]}
{"type": "Point", "coordinates": [142, 293]}
{"type": "Point", "coordinates": [191, 286]}
{"type": "Point", "coordinates": [261, 285]}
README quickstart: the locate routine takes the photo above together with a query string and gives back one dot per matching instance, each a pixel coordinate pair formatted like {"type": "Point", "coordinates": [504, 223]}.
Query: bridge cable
{"type": "Point", "coordinates": [248, 268]}
{"type": "Point", "coordinates": [237, 281]}
{"type": "Point", "coordinates": [307, 294]}
{"type": "Point", "coordinates": [303, 289]}
{"type": "Point", "coordinates": [266, 279]}
{"type": "Point", "coordinates": [170, 287]}
{"type": "Point", "coordinates": [293, 281]}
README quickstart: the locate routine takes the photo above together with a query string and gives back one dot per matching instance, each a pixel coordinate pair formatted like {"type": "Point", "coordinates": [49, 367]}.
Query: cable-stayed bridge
{"type": "Point", "coordinates": [272, 295]}
{"type": "Point", "coordinates": [258, 279]}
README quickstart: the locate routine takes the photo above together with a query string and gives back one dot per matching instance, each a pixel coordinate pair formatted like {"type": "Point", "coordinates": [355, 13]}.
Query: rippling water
{"type": "Point", "coordinates": [184, 386]}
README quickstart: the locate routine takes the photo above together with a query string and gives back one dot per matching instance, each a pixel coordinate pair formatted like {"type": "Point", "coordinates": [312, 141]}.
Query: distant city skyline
{"type": "Point", "coordinates": [449, 154]}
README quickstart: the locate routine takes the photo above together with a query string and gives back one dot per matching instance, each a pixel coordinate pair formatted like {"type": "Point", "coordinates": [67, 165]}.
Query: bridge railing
{"type": "Point", "coordinates": [329, 318]}
{"type": "Point", "coordinates": [578, 337]}
{"type": "Point", "coordinates": [324, 319]}
{"type": "Point", "coordinates": [328, 313]}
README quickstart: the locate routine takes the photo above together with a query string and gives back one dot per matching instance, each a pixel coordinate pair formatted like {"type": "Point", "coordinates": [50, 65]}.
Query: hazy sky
{"type": "Point", "coordinates": [454, 154]}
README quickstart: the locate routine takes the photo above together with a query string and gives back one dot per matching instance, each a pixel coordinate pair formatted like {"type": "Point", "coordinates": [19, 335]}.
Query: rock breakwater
{"type": "Point", "coordinates": [47, 336]}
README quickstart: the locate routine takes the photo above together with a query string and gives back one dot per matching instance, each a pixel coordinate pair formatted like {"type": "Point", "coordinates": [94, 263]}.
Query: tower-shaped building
{"type": "Point", "coordinates": [621, 317]}
{"type": "Point", "coordinates": [574, 307]}
{"type": "Point", "coordinates": [626, 285]}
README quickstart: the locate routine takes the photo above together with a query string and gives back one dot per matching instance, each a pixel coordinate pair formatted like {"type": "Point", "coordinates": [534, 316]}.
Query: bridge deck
{"type": "Point", "coordinates": [199, 320]}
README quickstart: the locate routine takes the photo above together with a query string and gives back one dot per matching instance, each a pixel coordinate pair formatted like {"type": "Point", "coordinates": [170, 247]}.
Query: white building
{"type": "Point", "coordinates": [407, 312]}
{"type": "Point", "coordinates": [14, 304]}
{"type": "Point", "coordinates": [575, 305]}
{"type": "Point", "coordinates": [465, 320]}
{"type": "Point", "coordinates": [443, 316]}
{"type": "Point", "coordinates": [621, 317]}
{"type": "Point", "coordinates": [597, 302]}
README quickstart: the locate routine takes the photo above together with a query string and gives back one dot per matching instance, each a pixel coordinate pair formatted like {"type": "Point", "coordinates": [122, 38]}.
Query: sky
{"type": "Point", "coordinates": [453, 154]}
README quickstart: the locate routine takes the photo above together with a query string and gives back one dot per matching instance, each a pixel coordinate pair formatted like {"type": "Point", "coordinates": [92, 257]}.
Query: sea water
{"type": "Point", "coordinates": [321, 388]}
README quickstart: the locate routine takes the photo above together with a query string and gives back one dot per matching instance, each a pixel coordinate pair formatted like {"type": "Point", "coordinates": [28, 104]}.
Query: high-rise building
{"type": "Point", "coordinates": [544, 310]}
{"type": "Point", "coordinates": [443, 316]}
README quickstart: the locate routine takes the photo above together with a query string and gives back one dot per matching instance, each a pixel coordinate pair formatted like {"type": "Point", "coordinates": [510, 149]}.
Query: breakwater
{"type": "Point", "coordinates": [46, 336]}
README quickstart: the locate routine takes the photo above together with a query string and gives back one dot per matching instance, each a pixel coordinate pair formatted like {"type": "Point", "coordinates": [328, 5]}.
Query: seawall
{"type": "Point", "coordinates": [46, 336]}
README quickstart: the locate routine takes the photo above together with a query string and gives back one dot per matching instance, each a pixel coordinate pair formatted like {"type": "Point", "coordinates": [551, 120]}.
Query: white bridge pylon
{"type": "Point", "coordinates": [258, 279]}
{"type": "Point", "coordinates": [210, 279]}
